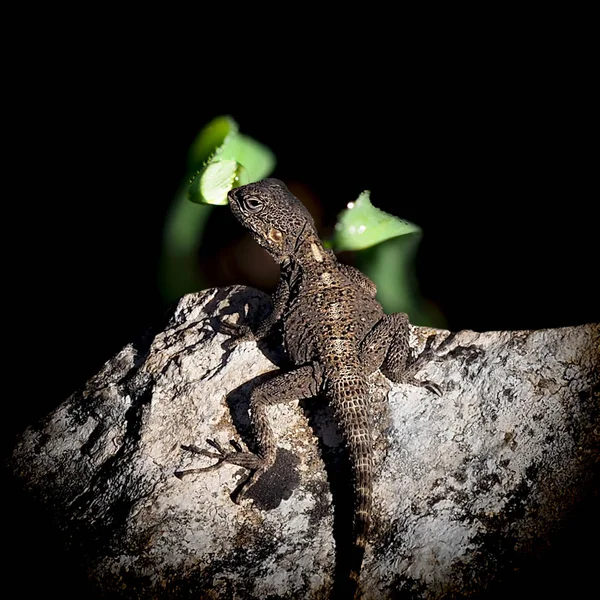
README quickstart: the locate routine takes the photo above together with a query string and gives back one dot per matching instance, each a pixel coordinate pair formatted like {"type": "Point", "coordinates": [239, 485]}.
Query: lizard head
{"type": "Point", "coordinates": [276, 219]}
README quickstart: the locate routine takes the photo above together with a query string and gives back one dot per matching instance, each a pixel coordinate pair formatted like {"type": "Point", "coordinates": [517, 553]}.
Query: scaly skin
{"type": "Point", "coordinates": [335, 333]}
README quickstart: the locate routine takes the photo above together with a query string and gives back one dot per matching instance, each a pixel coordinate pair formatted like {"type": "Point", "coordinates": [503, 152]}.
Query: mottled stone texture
{"type": "Point", "coordinates": [468, 486]}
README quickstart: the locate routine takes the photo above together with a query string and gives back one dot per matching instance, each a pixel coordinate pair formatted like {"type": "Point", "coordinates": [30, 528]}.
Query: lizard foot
{"type": "Point", "coordinates": [239, 457]}
{"type": "Point", "coordinates": [426, 356]}
{"type": "Point", "coordinates": [248, 460]}
{"type": "Point", "coordinates": [242, 333]}
{"type": "Point", "coordinates": [428, 385]}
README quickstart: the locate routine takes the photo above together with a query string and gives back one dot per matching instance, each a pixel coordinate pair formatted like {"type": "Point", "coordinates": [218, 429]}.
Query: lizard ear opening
{"type": "Point", "coordinates": [275, 235]}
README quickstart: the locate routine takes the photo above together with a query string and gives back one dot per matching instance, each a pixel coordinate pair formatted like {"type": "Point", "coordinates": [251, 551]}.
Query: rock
{"type": "Point", "coordinates": [469, 485]}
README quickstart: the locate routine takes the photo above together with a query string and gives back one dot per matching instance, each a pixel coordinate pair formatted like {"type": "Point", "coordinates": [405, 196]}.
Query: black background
{"type": "Point", "coordinates": [494, 157]}
{"type": "Point", "coordinates": [496, 167]}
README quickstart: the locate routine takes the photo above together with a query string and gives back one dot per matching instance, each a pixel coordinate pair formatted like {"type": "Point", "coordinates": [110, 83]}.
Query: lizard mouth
{"type": "Point", "coordinates": [234, 204]}
{"type": "Point", "coordinates": [232, 197]}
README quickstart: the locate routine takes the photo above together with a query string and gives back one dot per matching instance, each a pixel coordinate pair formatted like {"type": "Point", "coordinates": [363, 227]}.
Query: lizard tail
{"type": "Point", "coordinates": [361, 519]}
{"type": "Point", "coordinates": [349, 400]}
{"type": "Point", "coordinates": [361, 457]}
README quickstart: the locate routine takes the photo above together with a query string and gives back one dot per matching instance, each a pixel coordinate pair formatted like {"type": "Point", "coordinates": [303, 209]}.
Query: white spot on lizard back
{"type": "Point", "coordinates": [339, 346]}
{"type": "Point", "coordinates": [334, 310]}
{"type": "Point", "coordinates": [316, 252]}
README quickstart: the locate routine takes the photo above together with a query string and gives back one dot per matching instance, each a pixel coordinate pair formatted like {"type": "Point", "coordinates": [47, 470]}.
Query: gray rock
{"type": "Point", "coordinates": [466, 484]}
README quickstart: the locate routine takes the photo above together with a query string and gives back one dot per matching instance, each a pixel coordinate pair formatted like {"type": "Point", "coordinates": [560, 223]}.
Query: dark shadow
{"type": "Point", "coordinates": [339, 475]}
{"type": "Point", "coordinates": [37, 563]}
{"type": "Point", "coordinates": [258, 307]}
{"type": "Point", "coordinates": [566, 567]}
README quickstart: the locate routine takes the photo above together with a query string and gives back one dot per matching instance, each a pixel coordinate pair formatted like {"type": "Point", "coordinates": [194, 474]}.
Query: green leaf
{"type": "Point", "coordinates": [211, 137]}
{"type": "Point", "coordinates": [211, 184]}
{"type": "Point", "coordinates": [362, 225]}
{"type": "Point", "coordinates": [388, 246]}
{"type": "Point", "coordinates": [224, 159]}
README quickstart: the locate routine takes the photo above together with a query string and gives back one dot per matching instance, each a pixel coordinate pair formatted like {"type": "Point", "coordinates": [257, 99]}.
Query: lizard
{"type": "Point", "coordinates": [335, 333]}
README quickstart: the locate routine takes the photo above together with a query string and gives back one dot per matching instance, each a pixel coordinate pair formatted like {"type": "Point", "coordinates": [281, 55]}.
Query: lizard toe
{"type": "Point", "coordinates": [433, 387]}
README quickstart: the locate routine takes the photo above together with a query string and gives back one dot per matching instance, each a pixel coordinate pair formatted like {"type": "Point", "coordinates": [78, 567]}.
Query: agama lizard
{"type": "Point", "coordinates": [336, 335]}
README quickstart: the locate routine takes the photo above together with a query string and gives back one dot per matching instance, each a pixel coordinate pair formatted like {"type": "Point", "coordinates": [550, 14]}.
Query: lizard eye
{"type": "Point", "coordinates": [253, 204]}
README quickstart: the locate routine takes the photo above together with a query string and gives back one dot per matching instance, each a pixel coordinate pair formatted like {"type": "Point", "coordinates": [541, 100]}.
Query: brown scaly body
{"type": "Point", "coordinates": [335, 333]}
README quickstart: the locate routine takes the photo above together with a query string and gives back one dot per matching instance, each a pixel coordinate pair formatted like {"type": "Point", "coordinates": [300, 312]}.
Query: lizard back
{"type": "Point", "coordinates": [326, 309]}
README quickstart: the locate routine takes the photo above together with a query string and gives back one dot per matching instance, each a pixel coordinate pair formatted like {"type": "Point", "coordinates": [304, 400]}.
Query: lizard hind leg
{"type": "Point", "coordinates": [386, 347]}
{"type": "Point", "coordinates": [303, 382]}
{"type": "Point", "coordinates": [253, 462]}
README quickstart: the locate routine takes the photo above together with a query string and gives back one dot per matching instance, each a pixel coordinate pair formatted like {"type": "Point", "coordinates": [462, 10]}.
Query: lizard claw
{"type": "Point", "coordinates": [428, 348]}
{"type": "Point", "coordinates": [220, 455]}
{"type": "Point", "coordinates": [238, 457]}
{"type": "Point", "coordinates": [242, 333]}
{"type": "Point", "coordinates": [433, 387]}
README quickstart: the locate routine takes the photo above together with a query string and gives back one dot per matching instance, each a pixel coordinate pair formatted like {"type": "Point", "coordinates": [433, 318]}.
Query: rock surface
{"type": "Point", "coordinates": [468, 485]}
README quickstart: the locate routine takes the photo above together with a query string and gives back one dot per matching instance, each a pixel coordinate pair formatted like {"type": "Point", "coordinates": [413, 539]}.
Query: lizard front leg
{"type": "Point", "coordinates": [245, 333]}
{"type": "Point", "coordinates": [386, 347]}
{"type": "Point", "coordinates": [303, 382]}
